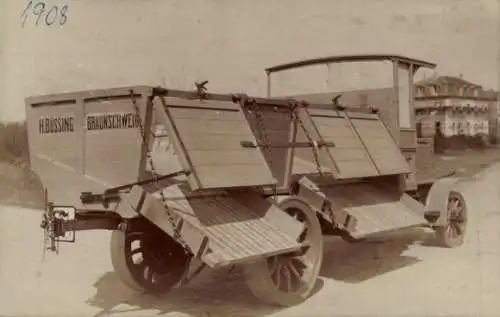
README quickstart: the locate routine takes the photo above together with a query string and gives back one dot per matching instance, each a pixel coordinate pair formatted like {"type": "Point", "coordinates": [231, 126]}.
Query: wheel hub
{"type": "Point", "coordinates": [160, 254]}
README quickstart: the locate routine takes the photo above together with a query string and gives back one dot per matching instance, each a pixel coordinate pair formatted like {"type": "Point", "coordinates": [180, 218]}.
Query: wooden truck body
{"type": "Point", "coordinates": [233, 179]}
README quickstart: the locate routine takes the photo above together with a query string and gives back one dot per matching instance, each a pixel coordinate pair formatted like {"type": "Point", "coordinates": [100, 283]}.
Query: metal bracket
{"type": "Point", "coordinates": [57, 221]}
{"type": "Point", "coordinates": [201, 89]}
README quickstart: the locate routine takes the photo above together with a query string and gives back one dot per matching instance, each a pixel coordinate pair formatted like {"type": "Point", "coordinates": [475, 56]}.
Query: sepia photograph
{"type": "Point", "coordinates": [279, 158]}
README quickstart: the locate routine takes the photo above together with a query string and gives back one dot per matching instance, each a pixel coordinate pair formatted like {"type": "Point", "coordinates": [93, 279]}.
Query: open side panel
{"type": "Point", "coordinates": [348, 157]}
{"type": "Point", "coordinates": [274, 126]}
{"type": "Point", "coordinates": [380, 145]}
{"type": "Point", "coordinates": [363, 146]}
{"type": "Point", "coordinates": [208, 136]}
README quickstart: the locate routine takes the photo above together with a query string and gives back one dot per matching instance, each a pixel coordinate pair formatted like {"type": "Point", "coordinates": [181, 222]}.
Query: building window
{"type": "Point", "coordinates": [419, 129]}
{"type": "Point", "coordinates": [438, 127]}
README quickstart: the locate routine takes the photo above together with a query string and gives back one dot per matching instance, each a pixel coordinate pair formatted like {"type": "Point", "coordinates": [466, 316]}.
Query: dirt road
{"type": "Point", "coordinates": [398, 276]}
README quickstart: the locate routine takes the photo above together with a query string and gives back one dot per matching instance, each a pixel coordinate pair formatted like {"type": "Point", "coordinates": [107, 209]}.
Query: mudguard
{"type": "Point", "coordinates": [436, 203]}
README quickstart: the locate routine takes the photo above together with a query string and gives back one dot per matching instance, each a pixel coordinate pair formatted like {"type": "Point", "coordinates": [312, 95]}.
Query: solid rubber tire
{"type": "Point", "coordinates": [119, 262]}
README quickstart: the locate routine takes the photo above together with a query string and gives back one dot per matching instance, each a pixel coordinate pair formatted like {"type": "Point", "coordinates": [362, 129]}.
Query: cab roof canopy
{"type": "Point", "coordinates": [351, 58]}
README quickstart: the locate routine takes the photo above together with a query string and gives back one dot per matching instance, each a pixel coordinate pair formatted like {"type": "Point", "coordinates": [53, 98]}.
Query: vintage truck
{"type": "Point", "coordinates": [230, 179]}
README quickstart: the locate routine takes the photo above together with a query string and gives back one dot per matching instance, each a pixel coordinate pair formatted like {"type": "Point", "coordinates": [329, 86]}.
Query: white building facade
{"type": "Point", "coordinates": [453, 106]}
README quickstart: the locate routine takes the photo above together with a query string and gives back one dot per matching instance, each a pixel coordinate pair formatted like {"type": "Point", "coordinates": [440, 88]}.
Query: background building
{"type": "Point", "coordinates": [456, 112]}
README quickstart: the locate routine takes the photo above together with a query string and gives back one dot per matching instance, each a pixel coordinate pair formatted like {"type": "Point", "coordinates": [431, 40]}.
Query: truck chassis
{"type": "Point", "coordinates": [243, 181]}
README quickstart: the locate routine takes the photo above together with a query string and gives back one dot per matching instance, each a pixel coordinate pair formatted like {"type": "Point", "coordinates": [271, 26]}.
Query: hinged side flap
{"type": "Point", "coordinates": [208, 135]}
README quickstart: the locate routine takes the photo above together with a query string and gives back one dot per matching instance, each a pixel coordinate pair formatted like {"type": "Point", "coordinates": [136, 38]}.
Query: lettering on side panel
{"type": "Point", "coordinates": [51, 125]}
{"type": "Point", "coordinates": [106, 121]}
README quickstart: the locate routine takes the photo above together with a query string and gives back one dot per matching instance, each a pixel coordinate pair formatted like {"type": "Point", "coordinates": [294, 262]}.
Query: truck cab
{"type": "Point", "coordinates": [393, 99]}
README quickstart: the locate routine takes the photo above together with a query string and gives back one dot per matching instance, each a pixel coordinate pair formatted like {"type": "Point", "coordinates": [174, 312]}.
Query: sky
{"type": "Point", "coordinates": [172, 43]}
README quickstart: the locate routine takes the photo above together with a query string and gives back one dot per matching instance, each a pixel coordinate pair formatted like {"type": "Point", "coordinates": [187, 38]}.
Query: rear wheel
{"type": "Point", "coordinates": [452, 234]}
{"type": "Point", "coordinates": [289, 279]}
{"type": "Point", "coordinates": [148, 261]}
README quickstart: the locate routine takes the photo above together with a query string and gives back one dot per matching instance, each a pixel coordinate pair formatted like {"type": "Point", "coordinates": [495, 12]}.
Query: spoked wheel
{"type": "Point", "coordinates": [148, 261]}
{"type": "Point", "coordinates": [289, 279]}
{"type": "Point", "coordinates": [452, 234]}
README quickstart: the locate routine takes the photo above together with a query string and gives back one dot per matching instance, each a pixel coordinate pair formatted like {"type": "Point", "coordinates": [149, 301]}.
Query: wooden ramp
{"type": "Point", "coordinates": [362, 208]}
{"type": "Point", "coordinates": [228, 228]}
{"type": "Point", "coordinates": [374, 210]}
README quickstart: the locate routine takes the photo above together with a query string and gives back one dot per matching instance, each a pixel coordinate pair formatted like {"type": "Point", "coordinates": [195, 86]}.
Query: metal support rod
{"type": "Point", "coordinates": [268, 77]}
{"type": "Point", "coordinates": [286, 145]}
{"type": "Point", "coordinates": [327, 81]}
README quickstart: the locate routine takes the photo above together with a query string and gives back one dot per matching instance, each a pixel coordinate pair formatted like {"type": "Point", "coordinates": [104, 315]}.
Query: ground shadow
{"type": "Point", "coordinates": [358, 262]}
{"type": "Point", "coordinates": [221, 295]}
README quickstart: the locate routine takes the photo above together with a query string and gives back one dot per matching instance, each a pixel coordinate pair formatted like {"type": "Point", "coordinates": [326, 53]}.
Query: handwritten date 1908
{"type": "Point", "coordinates": [40, 12]}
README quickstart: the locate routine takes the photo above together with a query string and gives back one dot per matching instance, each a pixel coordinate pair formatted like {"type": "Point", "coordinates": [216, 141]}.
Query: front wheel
{"type": "Point", "coordinates": [287, 280]}
{"type": "Point", "coordinates": [452, 234]}
{"type": "Point", "coordinates": [148, 261]}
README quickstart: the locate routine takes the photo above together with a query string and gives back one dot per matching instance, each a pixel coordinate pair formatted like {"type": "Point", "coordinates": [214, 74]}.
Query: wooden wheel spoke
{"type": "Point", "coordinates": [301, 263]}
{"type": "Point", "coordinates": [454, 230]}
{"type": "Point", "coordinates": [287, 277]}
{"type": "Point", "coordinates": [449, 230]}
{"type": "Point", "coordinates": [292, 280]}
{"type": "Point", "coordinates": [137, 250]}
{"type": "Point", "coordinates": [148, 274]}
{"type": "Point", "coordinates": [277, 275]}
{"type": "Point", "coordinates": [457, 228]}
{"type": "Point", "coordinates": [455, 209]}
{"type": "Point", "coordinates": [454, 204]}
{"type": "Point", "coordinates": [274, 265]}
{"type": "Point", "coordinates": [294, 272]}
{"type": "Point", "coordinates": [139, 263]}
{"type": "Point", "coordinates": [147, 261]}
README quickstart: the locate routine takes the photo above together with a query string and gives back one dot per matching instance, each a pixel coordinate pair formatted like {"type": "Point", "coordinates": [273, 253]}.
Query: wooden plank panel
{"type": "Point", "coordinates": [349, 154]}
{"type": "Point", "coordinates": [216, 157]}
{"type": "Point", "coordinates": [210, 135]}
{"type": "Point", "coordinates": [202, 142]}
{"type": "Point", "coordinates": [222, 176]}
{"type": "Point", "coordinates": [382, 148]}
{"type": "Point", "coordinates": [202, 126]}
{"type": "Point", "coordinates": [323, 160]}
{"type": "Point", "coordinates": [375, 209]}
{"type": "Point", "coordinates": [236, 231]}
